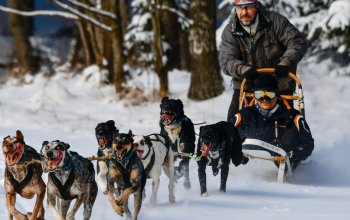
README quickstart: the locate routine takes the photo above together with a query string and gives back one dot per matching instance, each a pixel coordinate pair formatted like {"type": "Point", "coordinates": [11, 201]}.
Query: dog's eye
{"type": "Point", "coordinates": [136, 145]}
{"type": "Point", "coordinates": [57, 147]}
{"type": "Point", "coordinates": [142, 142]}
{"type": "Point", "coordinates": [47, 147]}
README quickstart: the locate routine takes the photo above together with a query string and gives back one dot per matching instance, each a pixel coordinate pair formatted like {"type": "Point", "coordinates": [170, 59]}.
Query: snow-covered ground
{"type": "Point", "coordinates": [68, 108]}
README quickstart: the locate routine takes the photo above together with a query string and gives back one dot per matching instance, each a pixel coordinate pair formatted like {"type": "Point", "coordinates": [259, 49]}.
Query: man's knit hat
{"type": "Point", "coordinates": [265, 82]}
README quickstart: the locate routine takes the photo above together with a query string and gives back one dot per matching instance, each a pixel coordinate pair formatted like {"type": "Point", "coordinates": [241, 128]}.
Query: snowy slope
{"type": "Point", "coordinates": [69, 107]}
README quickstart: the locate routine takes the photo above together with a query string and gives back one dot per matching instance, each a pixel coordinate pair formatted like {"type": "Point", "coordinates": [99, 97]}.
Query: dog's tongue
{"type": "Point", "coordinates": [139, 153]}
{"type": "Point", "coordinates": [102, 141]}
{"type": "Point", "coordinates": [14, 156]}
{"type": "Point", "coordinates": [52, 163]}
{"type": "Point", "coordinates": [166, 116]}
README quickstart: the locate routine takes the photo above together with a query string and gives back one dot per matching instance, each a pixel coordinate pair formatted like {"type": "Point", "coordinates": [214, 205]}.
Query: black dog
{"type": "Point", "coordinates": [104, 132]}
{"type": "Point", "coordinates": [179, 129]}
{"type": "Point", "coordinates": [126, 170]}
{"type": "Point", "coordinates": [217, 144]}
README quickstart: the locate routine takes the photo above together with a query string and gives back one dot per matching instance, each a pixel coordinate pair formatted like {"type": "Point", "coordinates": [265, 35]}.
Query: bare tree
{"type": "Point", "coordinates": [170, 29]}
{"type": "Point", "coordinates": [157, 48]}
{"type": "Point", "coordinates": [21, 30]}
{"type": "Point", "coordinates": [206, 80]}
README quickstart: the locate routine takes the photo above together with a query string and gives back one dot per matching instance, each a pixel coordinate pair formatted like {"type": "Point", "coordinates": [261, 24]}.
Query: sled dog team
{"type": "Point", "coordinates": [124, 162]}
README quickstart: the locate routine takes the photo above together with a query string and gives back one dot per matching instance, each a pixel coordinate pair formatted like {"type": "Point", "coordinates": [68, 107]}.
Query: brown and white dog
{"type": "Point", "coordinates": [126, 170]}
{"type": "Point", "coordinates": [22, 177]}
{"type": "Point", "coordinates": [155, 154]}
{"type": "Point", "coordinates": [70, 177]}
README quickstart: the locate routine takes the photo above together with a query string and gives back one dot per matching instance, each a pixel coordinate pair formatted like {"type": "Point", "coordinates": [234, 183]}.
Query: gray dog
{"type": "Point", "coordinates": [70, 177]}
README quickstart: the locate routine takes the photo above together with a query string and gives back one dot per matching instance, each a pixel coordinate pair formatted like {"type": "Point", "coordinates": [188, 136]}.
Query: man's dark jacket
{"type": "Point", "coordinates": [276, 41]}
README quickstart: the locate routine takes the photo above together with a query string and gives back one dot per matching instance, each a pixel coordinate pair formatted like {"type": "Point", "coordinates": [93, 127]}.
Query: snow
{"type": "Point", "coordinates": [68, 107]}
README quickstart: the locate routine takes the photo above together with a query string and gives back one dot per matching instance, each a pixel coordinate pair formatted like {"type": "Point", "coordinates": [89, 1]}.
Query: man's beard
{"type": "Point", "coordinates": [247, 23]}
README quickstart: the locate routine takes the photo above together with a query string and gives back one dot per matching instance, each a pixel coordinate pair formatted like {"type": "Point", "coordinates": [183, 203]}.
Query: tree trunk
{"type": "Point", "coordinates": [157, 49]}
{"type": "Point", "coordinates": [124, 15]}
{"type": "Point", "coordinates": [170, 30]}
{"type": "Point", "coordinates": [118, 55]}
{"type": "Point", "coordinates": [21, 29]}
{"type": "Point", "coordinates": [206, 80]}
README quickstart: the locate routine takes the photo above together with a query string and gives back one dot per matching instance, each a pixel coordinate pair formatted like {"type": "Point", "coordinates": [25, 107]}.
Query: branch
{"type": "Point", "coordinates": [81, 15]}
{"type": "Point", "coordinates": [180, 14]}
{"type": "Point", "coordinates": [92, 9]}
{"type": "Point", "coordinates": [39, 13]}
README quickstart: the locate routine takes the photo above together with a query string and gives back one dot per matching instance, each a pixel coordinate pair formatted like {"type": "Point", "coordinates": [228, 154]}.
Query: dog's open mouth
{"type": "Point", "coordinates": [102, 142]}
{"type": "Point", "coordinates": [121, 153]}
{"type": "Point", "coordinates": [52, 163]}
{"type": "Point", "coordinates": [167, 117]}
{"type": "Point", "coordinates": [139, 153]}
{"type": "Point", "coordinates": [15, 155]}
{"type": "Point", "coordinates": [205, 148]}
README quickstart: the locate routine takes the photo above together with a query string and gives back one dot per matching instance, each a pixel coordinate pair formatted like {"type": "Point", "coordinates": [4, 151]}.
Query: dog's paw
{"type": "Point", "coordinates": [222, 189]}
{"type": "Point", "coordinates": [172, 199]}
{"type": "Point", "coordinates": [215, 170]}
{"type": "Point", "coordinates": [70, 216]}
{"type": "Point", "coordinates": [205, 194]}
{"type": "Point", "coordinates": [119, 210]}
{"type": "Point", "coordinates": [187, 184]}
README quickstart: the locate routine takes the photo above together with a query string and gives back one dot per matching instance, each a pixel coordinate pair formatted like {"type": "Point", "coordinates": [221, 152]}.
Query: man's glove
{"type": "Point", "coordinates": [281, 71]}
{"type": "Point", "coordinates": [250, 74]}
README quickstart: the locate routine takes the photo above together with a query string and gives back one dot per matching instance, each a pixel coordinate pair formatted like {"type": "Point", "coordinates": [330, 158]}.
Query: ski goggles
{"type": "Point", "coordinates": [261, 95]}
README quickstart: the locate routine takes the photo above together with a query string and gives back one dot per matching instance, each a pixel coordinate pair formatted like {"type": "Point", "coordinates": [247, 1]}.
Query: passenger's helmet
{"type": "Point", "coordinates": [245, 2]}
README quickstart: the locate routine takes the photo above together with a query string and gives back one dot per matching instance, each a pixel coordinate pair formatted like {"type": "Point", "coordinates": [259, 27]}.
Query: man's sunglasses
{"type": "Point", "coordinates": [261, 95]}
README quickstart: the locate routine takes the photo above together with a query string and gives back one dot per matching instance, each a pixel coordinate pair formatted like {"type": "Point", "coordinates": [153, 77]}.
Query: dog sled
{"type": "Point", "coordinates": [251, 147]}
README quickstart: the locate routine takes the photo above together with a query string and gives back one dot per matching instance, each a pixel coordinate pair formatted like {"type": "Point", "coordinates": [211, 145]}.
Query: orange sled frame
{"type": "Point", "coordinates": [282, 159]}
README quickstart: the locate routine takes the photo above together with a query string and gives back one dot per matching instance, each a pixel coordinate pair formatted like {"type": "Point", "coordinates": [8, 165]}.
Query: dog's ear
{"type": "Point", "coordinates": [111, 125]}
{"type": "Point", "coordinates": [43, 145]}
{"type": "Point", "coordinates": [180, 106]}
{"type": "Point", "coordinates": [115, 134]}
{"type": "Point", "coordinates": [148, 141]}
{"type": "Point", "coordinates": [19, 135]}
{"type": "Point", "coordinates": [65, 145]}
{"type": "Point", "coordinates": [164, 99]}
{"type": "Point", "coordinates": [130, 133]}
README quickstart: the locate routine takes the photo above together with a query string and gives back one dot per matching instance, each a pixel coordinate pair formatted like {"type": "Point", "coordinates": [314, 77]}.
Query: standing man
{"type": "Point", "coordinates": [257, 38]}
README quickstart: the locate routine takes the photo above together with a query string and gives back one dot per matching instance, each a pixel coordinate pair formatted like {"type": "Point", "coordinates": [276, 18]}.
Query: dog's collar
{"type": "Point", "coordinates": [126, 158]}
{"type": "Point", "coordinates": [68, 165]}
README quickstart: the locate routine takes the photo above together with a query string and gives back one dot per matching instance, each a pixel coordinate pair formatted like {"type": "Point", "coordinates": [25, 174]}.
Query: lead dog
{"type": "Point", "coordinates": [179, 129]}
{"type": "Point", "coordinates": [22, 177]}
{"type": "Point", "coordinates": [104, 132]}
{"type": "Point", "coordinates": [217, 145]}
{"type": "Point", "coordinates": [70, 177]}
{"type": "Point", "coordinates": [155, 154]}
{"type": "Point", "coordinates": [126, 170]}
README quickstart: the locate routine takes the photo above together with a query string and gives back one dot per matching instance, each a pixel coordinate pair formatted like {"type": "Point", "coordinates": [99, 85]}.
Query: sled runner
{"type": "Point", "coordinates": [251, 146]}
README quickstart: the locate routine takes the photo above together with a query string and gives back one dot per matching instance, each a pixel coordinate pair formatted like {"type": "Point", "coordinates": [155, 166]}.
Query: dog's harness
{"type": "Point", "coordinates": [151, 163]}
{"type": "Point", "coordinates": [124, 166]}
{"type": "Point", "coordinates": [19, 186]}
{"type": "Point", "coordinates": [65, 188]}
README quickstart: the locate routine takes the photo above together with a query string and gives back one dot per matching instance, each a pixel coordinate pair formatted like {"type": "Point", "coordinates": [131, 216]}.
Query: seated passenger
{"type": "Point", "coordinates": [271, 119]}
